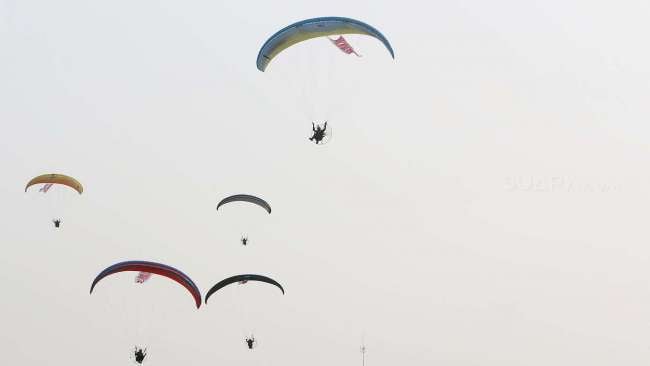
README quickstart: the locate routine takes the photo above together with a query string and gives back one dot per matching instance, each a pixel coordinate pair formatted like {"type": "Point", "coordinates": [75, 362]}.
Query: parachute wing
{"type": "Point", "coordinates": [313, 28]}
{"type": "Point", "coordinates": [56, 179]}
{"type": "Point", "coordinates": [152, 267]}
{"type": "Point", "coordinates": [246, 198]}
{"type": "Point", "coordinates": [239, 278]}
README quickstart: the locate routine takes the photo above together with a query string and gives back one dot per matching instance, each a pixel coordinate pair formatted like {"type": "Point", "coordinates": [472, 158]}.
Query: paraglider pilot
{"type": "Point", "coordinates": [319, 133]}
{"type": "Point", "coordinates": [140, 354]}
{"type": "Point", "coordinates": [244, 240]}
{"type": "Point", "coordinates": [250, 341]}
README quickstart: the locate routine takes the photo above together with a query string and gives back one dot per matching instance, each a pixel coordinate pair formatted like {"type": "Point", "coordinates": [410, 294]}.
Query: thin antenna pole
{"type": "Point", "coordinates": [363, 354]}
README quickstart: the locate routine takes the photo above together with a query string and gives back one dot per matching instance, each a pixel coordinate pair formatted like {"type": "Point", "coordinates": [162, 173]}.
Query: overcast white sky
{"type": "Point", "coordinates": [483, 200]}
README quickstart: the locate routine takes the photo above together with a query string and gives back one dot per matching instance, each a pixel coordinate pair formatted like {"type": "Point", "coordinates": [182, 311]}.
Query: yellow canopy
{"type": "Point", "coordinates": [56, 179]}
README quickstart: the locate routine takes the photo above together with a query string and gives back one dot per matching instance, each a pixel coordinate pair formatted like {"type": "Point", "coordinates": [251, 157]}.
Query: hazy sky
{"type": "Point", "coordinates": [483, 199]}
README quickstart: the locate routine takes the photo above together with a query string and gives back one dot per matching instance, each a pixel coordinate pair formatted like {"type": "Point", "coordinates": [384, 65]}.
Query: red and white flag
{"type": "Point", "coordinates": [343, 45]}
{"type": "Point", "coordinates": [142, 277]}
{"type": "Point", "coordinates": [46, 187]}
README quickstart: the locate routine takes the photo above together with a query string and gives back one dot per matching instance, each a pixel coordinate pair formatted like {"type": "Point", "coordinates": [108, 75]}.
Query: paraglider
{"type": "Point", "coordinates": [314, 28]}
{"type": "Point", "coordinates": [155, 268]}
{"type": "Point", "coordinates": [51, 180]}
{"type": "Point", "coordinates": [245, 198]}
{"type": "Point", "coordinates": [142, 306]}
{"type": "Point", "coordinates": [317, 80]}
{"type": "Point", "coordinates": [236, 279]}
{"type": "Point", "coordinates": [250, 342]}
{"type": "Point", "coordinates": [139, 354]}
{"type": "Point", "coordinates": [257, 201]}
{"type": "Point", "coordinates": [319, 133]}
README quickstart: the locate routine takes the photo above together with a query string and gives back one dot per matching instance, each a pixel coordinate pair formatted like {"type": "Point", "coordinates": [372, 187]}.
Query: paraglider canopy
{"type": "Point", "coordinates": [152, 267]}
{"type": "Point", "coordinates": [313, 28]}
{"type": "Point", "coordinates": [56, 179]}
{"type": "Point", "coordinates": [239, 278]}
{"type": "Point", "coordinates": [246, 198]}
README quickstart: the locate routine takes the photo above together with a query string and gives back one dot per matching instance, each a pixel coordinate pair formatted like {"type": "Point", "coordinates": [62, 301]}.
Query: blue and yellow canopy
{"type": "Point", "coordinates": [313, 28]}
